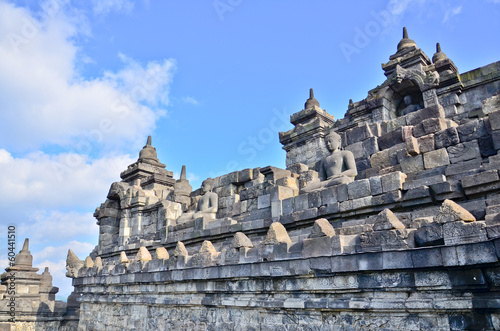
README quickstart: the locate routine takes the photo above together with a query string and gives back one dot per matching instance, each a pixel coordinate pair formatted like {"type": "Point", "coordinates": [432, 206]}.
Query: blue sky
{"type": "Point", "coordinates": [83, 85]}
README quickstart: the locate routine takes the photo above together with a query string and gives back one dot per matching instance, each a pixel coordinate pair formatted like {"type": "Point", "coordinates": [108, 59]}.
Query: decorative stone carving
{"type": "Point", "coordinates": [124, 258]}
{"type": "Point", "coordinates": [386, 220]}
{"type": "Point", "coordinates": [335, 169]}
{"type": "Point", "coordinates": [277, 234]}
{"type": "Point", "coordinates": [89, 263]}
{"type": "Point", "coordinates": [450, 211]}
{"type": "Point", "coordinates": [162, 254]}
{"type": "Point", "coordinates": [322, 228]}
{"type": "Point", "coordinates": [143, 255]}
{"type": "Point", "coordinates": [207, 205]}
{"type": "Point", "coordinates": [73, 264]}
{"type": "Point", "coordinates": [241, 240]}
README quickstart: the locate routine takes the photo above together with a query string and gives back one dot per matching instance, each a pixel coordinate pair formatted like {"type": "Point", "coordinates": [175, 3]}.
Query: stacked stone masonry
{"type": "Point", "coordinates": [410, 242]}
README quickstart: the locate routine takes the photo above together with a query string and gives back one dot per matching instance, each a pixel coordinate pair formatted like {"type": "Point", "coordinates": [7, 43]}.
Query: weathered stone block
{"type": "Point", "coordinates": [428, 126]}
{"type": "Point", "coordinates": [301, 202]}
{"type": "Point", "coordinates": [436, 158]}
{"type": "Point", "coordinates": [281, 193]}
{"type": "Point", "coordinates": [361, 202]}
{"type": "Point", "coordinates": [375, 185]}
{"type": "Point", "coordinates": [446, 138]}
{"type": "Point", "coordinates": [477, 253]}
{"type": "Point", "coordinates": [393, 181]}
{"type": "Point", "coordinates": [472, 130]}
{"type": "Point", "coordinates": [390, 139]}
{"type": "Point", "coordinates": [320, 246]}
{"type": "Point", "coordinates": [429, 235]}
{"type": "Point", "coordinates": [410, 164]}
{"type": "Point", "coordinates": [412, 146]}
{"type": "Point", "coordinates": [357, 150]}
{"type": "Point", "coordinates": [358, 134]}
{"type": "Point", "coordinates": [426, 181]}
{"type": "Point", "coordinates": [276, 208]}
{"type": "Point", "coordinates": [342, 193]}
{"type": "Point", "coordinates": [480, 179]}
{"type": "Point", "coordinates": [464, 151]}
{"type": "Point", "coordinates": [276, 234]}
{"type": "Point", "coordinates": [461, 232]}
{"type": "Point", "coordinates": [288, 206]}
{"type": "Point", "coordinates": [322, 228]}
{"type": "Point", "coordinates": [329, 195]}
{"type": "Point", "coordinates": [245, 175]}
{"type": "Point", "coordinates": [331, 208]}
{"type": "Point", "coordinates": [426, 143]}
{"type": "Point", "coordinates": [419, 116]}
{"type": "Point", "coordinates": [314, 199]}
{"type": "Point", "coordinates": [494, 120]}
{"type": "Point", "coordinates": [298, 168]}
{"type": "Point", "coordinates": [397, 260]}
{"type": "Point", "coordinates": [486, 146]}
{"type": "Point", "coordinates": [370, 145]}
{"type": "Point", "coordinates": [359, 189]}
{"type": "Point", "coordinates": [450, 211]}
{"type": "Point", "coordinates": [385, 240]}
{"type": "Point", "coordinates": [386, 220]}
{"type": "Point", "coordinates": [380, 159]}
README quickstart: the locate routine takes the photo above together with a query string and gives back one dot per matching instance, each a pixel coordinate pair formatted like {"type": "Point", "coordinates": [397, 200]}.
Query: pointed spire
{"type": "Point", "coordinates": [183, 172]}
{"type": "Point", "coordinates": [406, 41]}
{"type": "Point", "coordinates": [311, 102]}
{"type": "Point", "coordinates": [148, 153]}
{"type": "Point", "coordinates": [26, 245]}
{"type": "Point", "coordinates": [24, 258]}
{"type": "Point", "coordinates": [439, 56]}
{"type": "Point", "coordinates": [46, 278]}
{"type": "Point", "coordinates": [182, 186]}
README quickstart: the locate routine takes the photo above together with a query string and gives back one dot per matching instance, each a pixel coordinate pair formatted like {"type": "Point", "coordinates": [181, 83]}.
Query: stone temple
{"type": "Point", "coordinates": [387, 219]}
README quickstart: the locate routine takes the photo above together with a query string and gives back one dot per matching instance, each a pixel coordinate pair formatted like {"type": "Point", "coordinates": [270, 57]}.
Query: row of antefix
{"type": "Point", "coordinates": [451, 226]}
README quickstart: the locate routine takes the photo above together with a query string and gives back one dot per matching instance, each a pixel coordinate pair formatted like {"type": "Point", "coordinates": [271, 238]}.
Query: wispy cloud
{"type": "Point", "coordinates": [102, 7]}
{"type": "Point", "coordinates": [451, 12]}
{"type": "Point", "coordinates": [190, 100]}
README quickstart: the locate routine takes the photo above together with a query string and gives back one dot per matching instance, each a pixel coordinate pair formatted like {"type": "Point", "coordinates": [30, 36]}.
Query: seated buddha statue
{"type": "Point", "coordinates": [207, 205]}
{"type": "Point", "coordinates": [337, 168]}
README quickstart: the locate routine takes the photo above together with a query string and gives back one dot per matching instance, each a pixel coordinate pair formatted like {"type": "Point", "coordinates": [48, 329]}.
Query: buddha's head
{"type": "Point", "coordinates": [207, 185]}
{"type": "Point", "coordinates": [333, 141]}
{"type": "Point", "coordinates": [407, 100]}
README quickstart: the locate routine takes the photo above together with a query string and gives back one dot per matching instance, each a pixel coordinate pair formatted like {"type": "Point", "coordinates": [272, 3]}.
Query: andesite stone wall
{"type": "Point", "coordinates": [412, 243]}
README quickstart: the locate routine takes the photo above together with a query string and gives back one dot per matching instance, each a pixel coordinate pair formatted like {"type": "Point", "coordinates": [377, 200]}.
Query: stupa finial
{"type": "Point", "coordinates": [311, 102]}
{"type": "Point", "coordinates": [406, 41]}
{"type": "Point", "coordinates": [183, 172]}
{"type": "Point", "coordinates": [148, 143]}
{"type": "Point", "coordinates": [439, 56]}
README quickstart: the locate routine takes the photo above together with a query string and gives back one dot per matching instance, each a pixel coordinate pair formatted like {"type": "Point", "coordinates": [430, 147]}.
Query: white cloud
{"type": "Point", "coordinates": [43, 181]}
{"type": "Point", "coordinates": [54, 226]}
{"type": "Point", "coordinates": [451, 12]}
{"type": "Point", "coordinates": [106, 6]}
{"type": "Point", "coordinates": [81, 249]}
{"type": "Point", "coordinates": [190, 100]}
{"type": "Point", "coordinates": [45, 101]}
{"type": "Point", "coordinates": [55, 259]}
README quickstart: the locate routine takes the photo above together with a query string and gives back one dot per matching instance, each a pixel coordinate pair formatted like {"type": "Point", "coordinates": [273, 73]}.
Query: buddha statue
{"type": "Point", "coordinates": [207, 205]}
{"type": "Point", "coordinates": [409, 106]}
{"type": "Point", "coordinates": [337, 168]}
